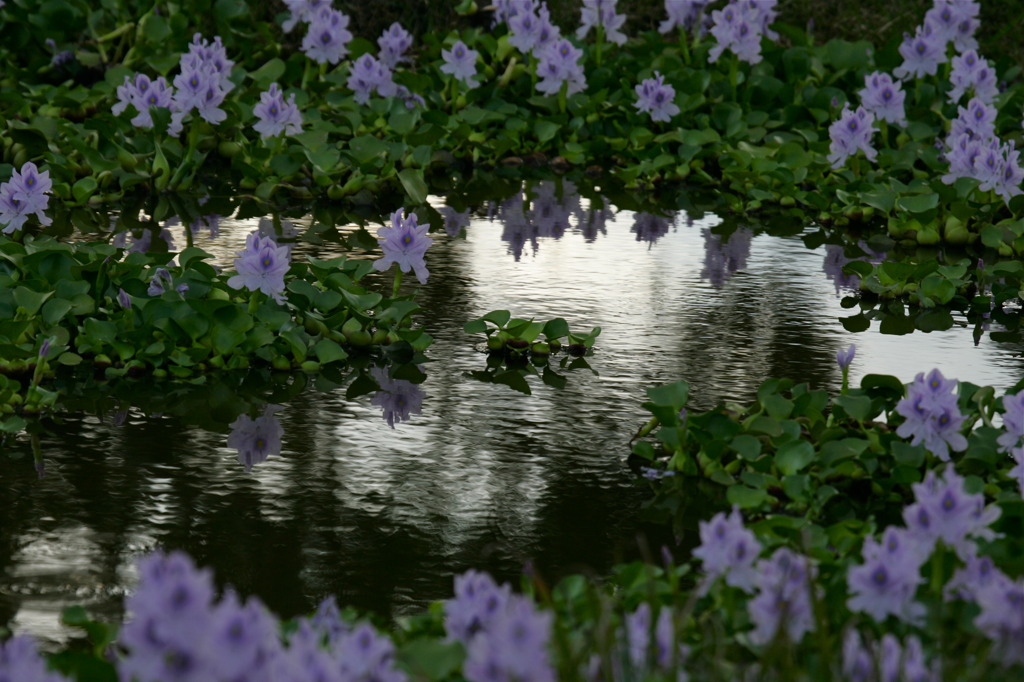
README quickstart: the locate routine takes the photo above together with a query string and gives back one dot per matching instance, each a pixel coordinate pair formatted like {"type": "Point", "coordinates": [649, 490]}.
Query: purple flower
{"type": "Point", "coordinates": [884, 98]}
{"type": "Point", "coordinates": [932, 415]}
{"type": "Point", "coordinates": [513, 647]}
{"type": "Point", "coordinates": [944, 510]}
{"type": "Point", "coordinates": [404, 243]}
{"type": "Point", "coordinates": [364, 654]}
{"type": "Point", "coordinates": [215, 57]}
{"type": "Point", "coordinates": [198, 86]}
{"type": "Point", "coordinates": [971, 72]}
{"type": "Point", "coordinates": [783, 599]}
{"type": "Point", "coordinates": [682, 13]}
{"type": "Point", "coordinates": [602, 13]}
{"type": "Point", "coordinates": [524, 24]}
{"type": "Point", "coordinates": [368, 76]}
{"type": "Point", "coordinates": [844, 358]}
{"type": "Point", "coordinates": [261, 267]}
{"type": "Point", "coordinates": [1002, 617]}
{"type": "Point", "coordinates": [656, 98]}
{"type": "Point", "coordinates": [124, 299]}
{"type": "Point", "coordinates": [26, 193]}
{"type": "Point", "coordinates": [327, 37]}
{"type": "Point", "coordinates": [887, 580]}
{"type": "Point", "coordinates": [560, 63]}
{"type": "Point", "coordinates": [454, 221]}
{"type": "Point", "coordinates": [922, 53]}
{"type": "Point", "coordinates": [739, 26]}
{"type": "Point", "coordinates": [477, 602]}
{"type": "Point", "coordinates": [143, 94]}
{"type": "Point", "coordinates": [399, 399]}
{"type": "Point", "coordinates": [257, 439]}
{"type": "Point", "coordinates": [20, 661]}
{"type": "Point", "coordinates": [460, 62]}
{"type": "Point", "coordinates": [722, 259]}
{"type": "Point", "coordinates": [276, 115]}
{"type": "Point", "coordinates": [852, 132]}
{"type": "Point", "coordinates": [1017, 472]}
{"type": "Point", "coordinates": [728, 549]}
{"type": "Point", "coordinates": [302, 11]}
{"type": "Point", "coordinates": [639, 641]}
{"type": "Point", "coordinates": [393, 44]}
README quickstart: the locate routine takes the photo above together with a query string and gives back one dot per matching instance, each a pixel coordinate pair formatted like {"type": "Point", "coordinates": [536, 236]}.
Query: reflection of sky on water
{"type": "Point", "coordinates": [467, 473]}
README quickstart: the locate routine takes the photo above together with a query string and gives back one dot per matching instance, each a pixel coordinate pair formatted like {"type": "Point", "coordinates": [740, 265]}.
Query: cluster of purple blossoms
{"type": "Point", "coordinates": [724, 257]}
{"type": "Point", "coordinates": [602, 13]}
{"type": "Point", "coordinates": [944, 510]}
{"type": "Point", "coordinates": [25, 194]}
{"type": "Point", "coordinates": [888, 660]}
{"type": "Point", "coordinates": [256, 439]}
{"type": "Point", "coordinates": [783, 602]}
{"type": "Point", "coordinates": [1013, 422]}
{"type": "Point", "coordinates": [20, 661]}
{"type": "Point", "coordinates": [931, 415]}
{"type": "Point", "coordinates": [143, 94]}
{"type": "Point", "coordinates": [947, 21]}
{"type": "Point", "coordinates": [261, 267]}
{"type": "Point", "coordinates": [328, 36]}
{"type": "Point", "coordinates": [656, 98]}
{"type": "Point", "coordinates": [972, 72]}
{"type": "Point", "coordinates": [560, 64]}
{"type": "Point", "coordinates": [405, 243]}
{"type": "Point", "coordinates": [850, 134]}
{"type": "Point", "coordinates": [887, 580]}
{"type": "Point", "coordinates": [728, 549]}
{"type": "Point", "coordinates": [302, 11]}
{"type": "Point", "coordinates": [884, 98]}
{"type": "Point", "coordinates": [460, 62]}
{"type": "Point", "coordinates": [370, 75]}
{"type": "Point", "coordinates": [203, 82]}
{"type": "Point", "coordinates": [276, 115]}
{"type": "Point", "coordinates": [974, 151]}
{"type": "Point", "coordinates": [506, 637]}
{"type": "Point", "coordinates": [529, 25]}
{"type": "Point", "coordinates": [393, 44]}
{"type": "Point", "coordinates": [739, 27]}
{"type": "Point", "coordinates": [398, 399]}
{"type": "Point", "coordinates": [685, 14]}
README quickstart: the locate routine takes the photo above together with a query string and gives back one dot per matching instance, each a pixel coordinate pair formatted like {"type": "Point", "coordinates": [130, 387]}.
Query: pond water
{"type": "Point", "coordinates": [473, 474]}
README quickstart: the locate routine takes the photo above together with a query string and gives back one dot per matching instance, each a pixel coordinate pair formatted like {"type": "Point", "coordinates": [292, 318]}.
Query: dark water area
{"type": "Point", "coordinates": [473, 474]}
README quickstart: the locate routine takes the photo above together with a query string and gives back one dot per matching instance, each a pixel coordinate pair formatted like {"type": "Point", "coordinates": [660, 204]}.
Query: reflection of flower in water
{"type": "Point", "coordinates": [399, 398]}
{"type": "Point", "coordinates": [550, 216]}
{"type": "Point", "coordinates": [256, 439]}
{"type": "Point", "coordinates": [288, 230]}
{"type": "Point", "coordinates": [454, 220]}
{"type": "Point", "coordinates": [649, 227]}
{"type": "Point", "coordinates": [517, 229]}
{"type": "Point", "coordinates": [143, 242]}
{"type": "Point", "coordinates": [592, 222]}
{"type": "Point", "coordinates": [835, 260]}
{"type": "Point", "coordinates": [722, 260]}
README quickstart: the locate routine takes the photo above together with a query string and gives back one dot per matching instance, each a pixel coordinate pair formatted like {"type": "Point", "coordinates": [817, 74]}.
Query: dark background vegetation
{"type": "Point", "coordinates": [876, 20]}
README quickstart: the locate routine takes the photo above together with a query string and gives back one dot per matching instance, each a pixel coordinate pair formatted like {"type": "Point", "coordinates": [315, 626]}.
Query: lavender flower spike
{"type": "Point", "coordinates": [276, 115]}
{"type": "Point", "coordinates": [602, 13]}
{"type": "Point", "coordinates": [328, 36]}
{"type": "Point", "coordinates": [460, 62]}
{"type": "Point", "coordinates": [656, 98]}
{"type": "Point", "coordinates": [404, 243]}
{"type": "Point", "coordinates": [261, 267]}
{"type": "Point", "coordinates": [393, 44]}
{"type": "Point", "coordinates": [852, 132]}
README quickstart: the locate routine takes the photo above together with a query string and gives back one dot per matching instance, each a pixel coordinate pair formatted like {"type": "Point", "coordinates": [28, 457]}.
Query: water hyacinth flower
{"type": "Point", "coordinates": [369, 75]}
{"type": "Point", "coordinates": [886, 582]}
{"type": "Point", "coordinates": [1017, 472]}
{"type": "Point", "coordinates": [514, 646]}
{"type": "Point", "coordinates": [932, 416]}
{"type": "Point", "coordinates": [850, 134]}
{"type": "Point", "coordinates": [393, 44]}
{"type": "Point", "coordinates": [560, 64]}
{"type": "Point", "coordinates": [460, 62]}
{"type": "Point", "coordinates": [783, 600]}
{"type": "Point", "coordinates": [276, 115]}
{"type": "Point", "coordinates": [261, 267]}
{"type": "Point", "coordinates": [728, 549]}
{"type": "Point", "coordinates": [922, 53]}
{"type": "Point", "coordinates": [302, 11]}
{"type": "Point", "coordinates": [256, 439]}
{"type": "Point", "coordinates": [845, 357]}
{"type": "Point", "coordinates": [1002, 616]}
{"type": "Point", "coordinates": [602, 13]}
{"type": "Point", "coordinates": [525, 19]}
{"type": "Point", "coordinates": [198, 87]}
{"type": "Point", "coordinates": [739, 27]}
{"type": "Point", "coordinates": [162, 281]}
{"type": "Point", "coordinates": [478, 600]}
{"type": "Point", "coordinates": [405, 243]}
{"type": "Point", "coordinates": [399, 399]}
{"type": "Point", "coordinates": [328, 36]}
{"type": "Point", "coordinates": [20, 661]}
{"type": "Point", "coordinates": [944, 510]}
{"type": "Point", "coordinates": [972, 72]}
{"type": "Point", "coordinates": [884, 98]}
{"type": "Point", "coordinates": [143, 94]}
{"type": "Point", "coordinates": [682, 13]}
{"type": "Point", "coordinates": [25, 194]}
{"type": "Point", "coordinates": [654, 97]}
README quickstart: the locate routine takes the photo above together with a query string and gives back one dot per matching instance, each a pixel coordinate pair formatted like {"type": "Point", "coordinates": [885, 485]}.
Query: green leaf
{"type": "Point", "coordinates": [268, 73]}
{"type": "Point", "coordinates": [413, 184]}
{"type": "Point", "coordinates": [748, 447]}
{"type": "Point", "coordinates": [329, 351]}
{"type": "Point", "coordinates": [475, 327]}
{"type": "Point", "coordinates": [674, 395]}
{"type": "Point", "coordinates": [499, 317]}
{"type": "Point", "coordinates": [513, 379]}
{"type": "Point", "coordinates": [431, 659]}
{"type": "Point", "coordinates": [55, 309]}
{"type": "Point", "coordinates": [918, 203]}
{"type": "Point", "coordinates": [30, 300]}
{"type": "Point", "coordinates": [794, 456]}
{"type": "Point", "coordinates": [545, 130]}
{"type": "Point", "coordinates": [84, 188]}
{"type": "Point", "coordinates": [744, 497]}
{"type": "Point", "coordinates": [556, 328]}
{"type": "Point", "coordinates": [856, 406]}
